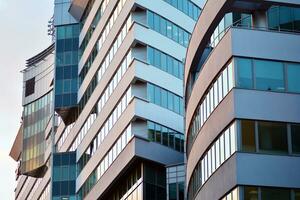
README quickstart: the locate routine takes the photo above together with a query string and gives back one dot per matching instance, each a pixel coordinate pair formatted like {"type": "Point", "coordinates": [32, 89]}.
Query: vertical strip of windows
{"type": "Point", "coordinates": [217, 92]}
{"type": "Point", "coordinates": [215, 156]}
{"type": "Point", "coordinates": [107, 125]}
{"type": "Point", "coordinates": [102, 38]}
{"type": "Point", "coordinates": [106, 162]}
{"type": "Point", "coordinates": [106, 62]}
{"type": "Point", "coordinates": [93, 25]}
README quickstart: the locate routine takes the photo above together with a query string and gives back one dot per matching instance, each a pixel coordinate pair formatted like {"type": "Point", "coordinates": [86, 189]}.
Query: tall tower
{"type": "Point", "coordinates": [118, 92]}
{"type": "Point", "coordinates": [129, 128]}
{"type": "Point", "coordinates": [242, 101]}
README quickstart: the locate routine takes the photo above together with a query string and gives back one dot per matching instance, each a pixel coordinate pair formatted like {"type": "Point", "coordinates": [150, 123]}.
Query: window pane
{"type": "Point", "coordinates": [151, 93]}
{"type": "Point", "coordinates": [273, 17]}
{"type": "Point", "coordinates": [244, 73]}
{"type": "Point", "coordinates": [250, 193]}
{"type": "Point", "coordinates": [269, 75]}
{"type": "Point", "coordinates": [293, 74]}
{"type": "Point", "coordinates": [295, 130]}
{"type": "Point", "coordinates": [286, 18]}
{"type": "Point", "coordinates": [278, 194]}
{"type": "Point", "coordinates": [248, 135]}
{"type": "Point", "coordinates": [272, 137]}
{"type": "Point", "coordinates": [157, 95]}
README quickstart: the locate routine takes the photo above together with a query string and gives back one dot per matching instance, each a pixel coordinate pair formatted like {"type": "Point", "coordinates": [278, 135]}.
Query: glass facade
{"type": "Point", "coordinates": [245, 73]}
{"type": "Point", "coordinates": [284, 18]}
{"type": "Point", "coordinates": [165, 62]}
{"type": "Point", "coordinates": [106, 62]}
{"type": "Point", "coordinates": [35, 119]}
{"type": "Point", "coordinates": [66, 66]}
{"type": "Point", "coordinates": [93, 25]}
{"type": "Point", "coordinates": [154, 182]}
{"type": "Point", "coordinates": [217, 91]}
{"type": "Point", "coordinates": [175, 182]}
{"type": "Point", "coordinates": [245, 136]}
{"type": "Point", "coordinates": [267, 75]}
{"type": "Point", "coordinates": [64, 176]}
{"type": "Point", "coordinates": [103, 36]}
{"type": "Point", "coordinates": [168, 29]}
{"type": "Point", "coordinates": [165, 136]}
{"type": "Point", "coordinates": [187, 7]}
{"type": "Point", "coordinates": [217, 154]}
{"type": "Point", "coordinates": [130, 187]}
{"type": "Point", "coordinates": [107, 125]}
{"type": "Point", "coordinates": [164, 98]}
{"type": "Point", "coordinates": [106, 162]}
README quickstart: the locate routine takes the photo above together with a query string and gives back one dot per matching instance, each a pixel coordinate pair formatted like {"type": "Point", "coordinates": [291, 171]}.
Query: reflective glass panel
{"type": "Point", "coordinates": [269, 75]}
{"type": "Point", "coordinates": [272, 137]}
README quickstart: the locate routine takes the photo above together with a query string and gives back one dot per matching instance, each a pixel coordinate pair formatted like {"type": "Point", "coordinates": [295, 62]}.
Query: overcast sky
{"type": "Point", "coordinates": [23, 34]}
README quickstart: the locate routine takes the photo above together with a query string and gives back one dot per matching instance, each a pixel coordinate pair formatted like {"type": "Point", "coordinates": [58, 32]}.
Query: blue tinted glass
{"type": "Point", "coordinates": [244, 73]}
{"type": "Point", "coordinates": [157, 95]}
{"type": "Point", "coordinates": [170, 101]}
{"type": "Point", "coordinates": [273, 17]}
{"type": "Point", "coordinates": [176, 104]}
{"type": "Point", "coordinates": [269, 75]}
{"type": "Point", "coordinates": [59, 73]}
{"type": "Point", "coordinates": [156, 58]}
{"type": "Point", "coordinates": [58, 86]}
{"type": "Point", "coordinates": [67, 72]}
{"type": "Point", "coordinates": [151, 93]}
{"type": "Point", "coordinates": [150, 55]}
{"type": "Point", "coordinates": [156, 23]}
{"type": "Point", "coordinates": [74, 85]}
{"type": "Point", "coordinates": [68, 44]}
{"type": "Point", "coordinates": [286, 18]}
{"type": "Point", "coordinates": [170, 65]}
{"type": "Point", "coordinates": [66, 100]}
{"type": "Point", "coordinates": [164, 98]}
{"type": "Point", "coordinates": [163, 26]}
{"type": "Point", "coordinates": [297, 19]}
{"type": "Point", "coordinates": [150, 19]}
{"type": "Point", "coordinates": [67, 86]}
{"type": "Point", "coordinates": [293, 77]}
{"type": "Point", "coordinates": [164, 62]}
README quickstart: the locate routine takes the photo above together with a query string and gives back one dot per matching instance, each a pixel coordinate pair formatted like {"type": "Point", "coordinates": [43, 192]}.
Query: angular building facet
{"type": "Point", "coordinates": [242, 94]}
{"type": "Point", "coordinates": [118, 94]}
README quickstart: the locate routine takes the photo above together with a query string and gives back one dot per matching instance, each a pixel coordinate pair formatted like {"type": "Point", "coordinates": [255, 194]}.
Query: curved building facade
{"type": "Point", "coordinates": [37, 103]}
{"type": "Point", "coordinates": [242, 94]}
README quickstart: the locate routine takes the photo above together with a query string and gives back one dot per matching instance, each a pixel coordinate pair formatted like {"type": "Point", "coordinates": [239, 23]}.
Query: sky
{"type": "Point", "coordinates": [23, 34]}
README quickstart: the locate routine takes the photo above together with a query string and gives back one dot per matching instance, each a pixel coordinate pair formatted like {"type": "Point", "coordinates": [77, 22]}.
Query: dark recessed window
{"type": "Point", "coordinates": [295, 130]}
{"type": "Point", "coordinates": [274, 193]}
{"type": "Point", "coordinates": [250, 193]}
{"type": "Point", "coordinates": [272, 137]}
{"type": "Point", "coordinates": [29, 86]}
{"type": "Point", "coordinates": [248, 135]}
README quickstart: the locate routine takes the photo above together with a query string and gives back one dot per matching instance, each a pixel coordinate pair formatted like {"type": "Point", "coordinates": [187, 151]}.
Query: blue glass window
{"type": "Point", "coordinates": [293, 76]}
{"type": "Point", "coordinates": [244, 73]}
{"type": "Point", "coordinates": [269, 75]}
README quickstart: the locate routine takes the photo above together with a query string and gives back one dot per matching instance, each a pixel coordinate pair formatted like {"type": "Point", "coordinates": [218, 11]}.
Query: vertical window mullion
{"type": "Point", "coordinates": [256, 137]}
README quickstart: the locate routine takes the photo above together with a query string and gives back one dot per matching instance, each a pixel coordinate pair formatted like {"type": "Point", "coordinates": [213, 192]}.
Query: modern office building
{"type": "Point", "coordinates": [32, 146]}
{"type": "Point", "coordinates": [242, 94]}
{"type": "Point", "coordinates": [118, 92]}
